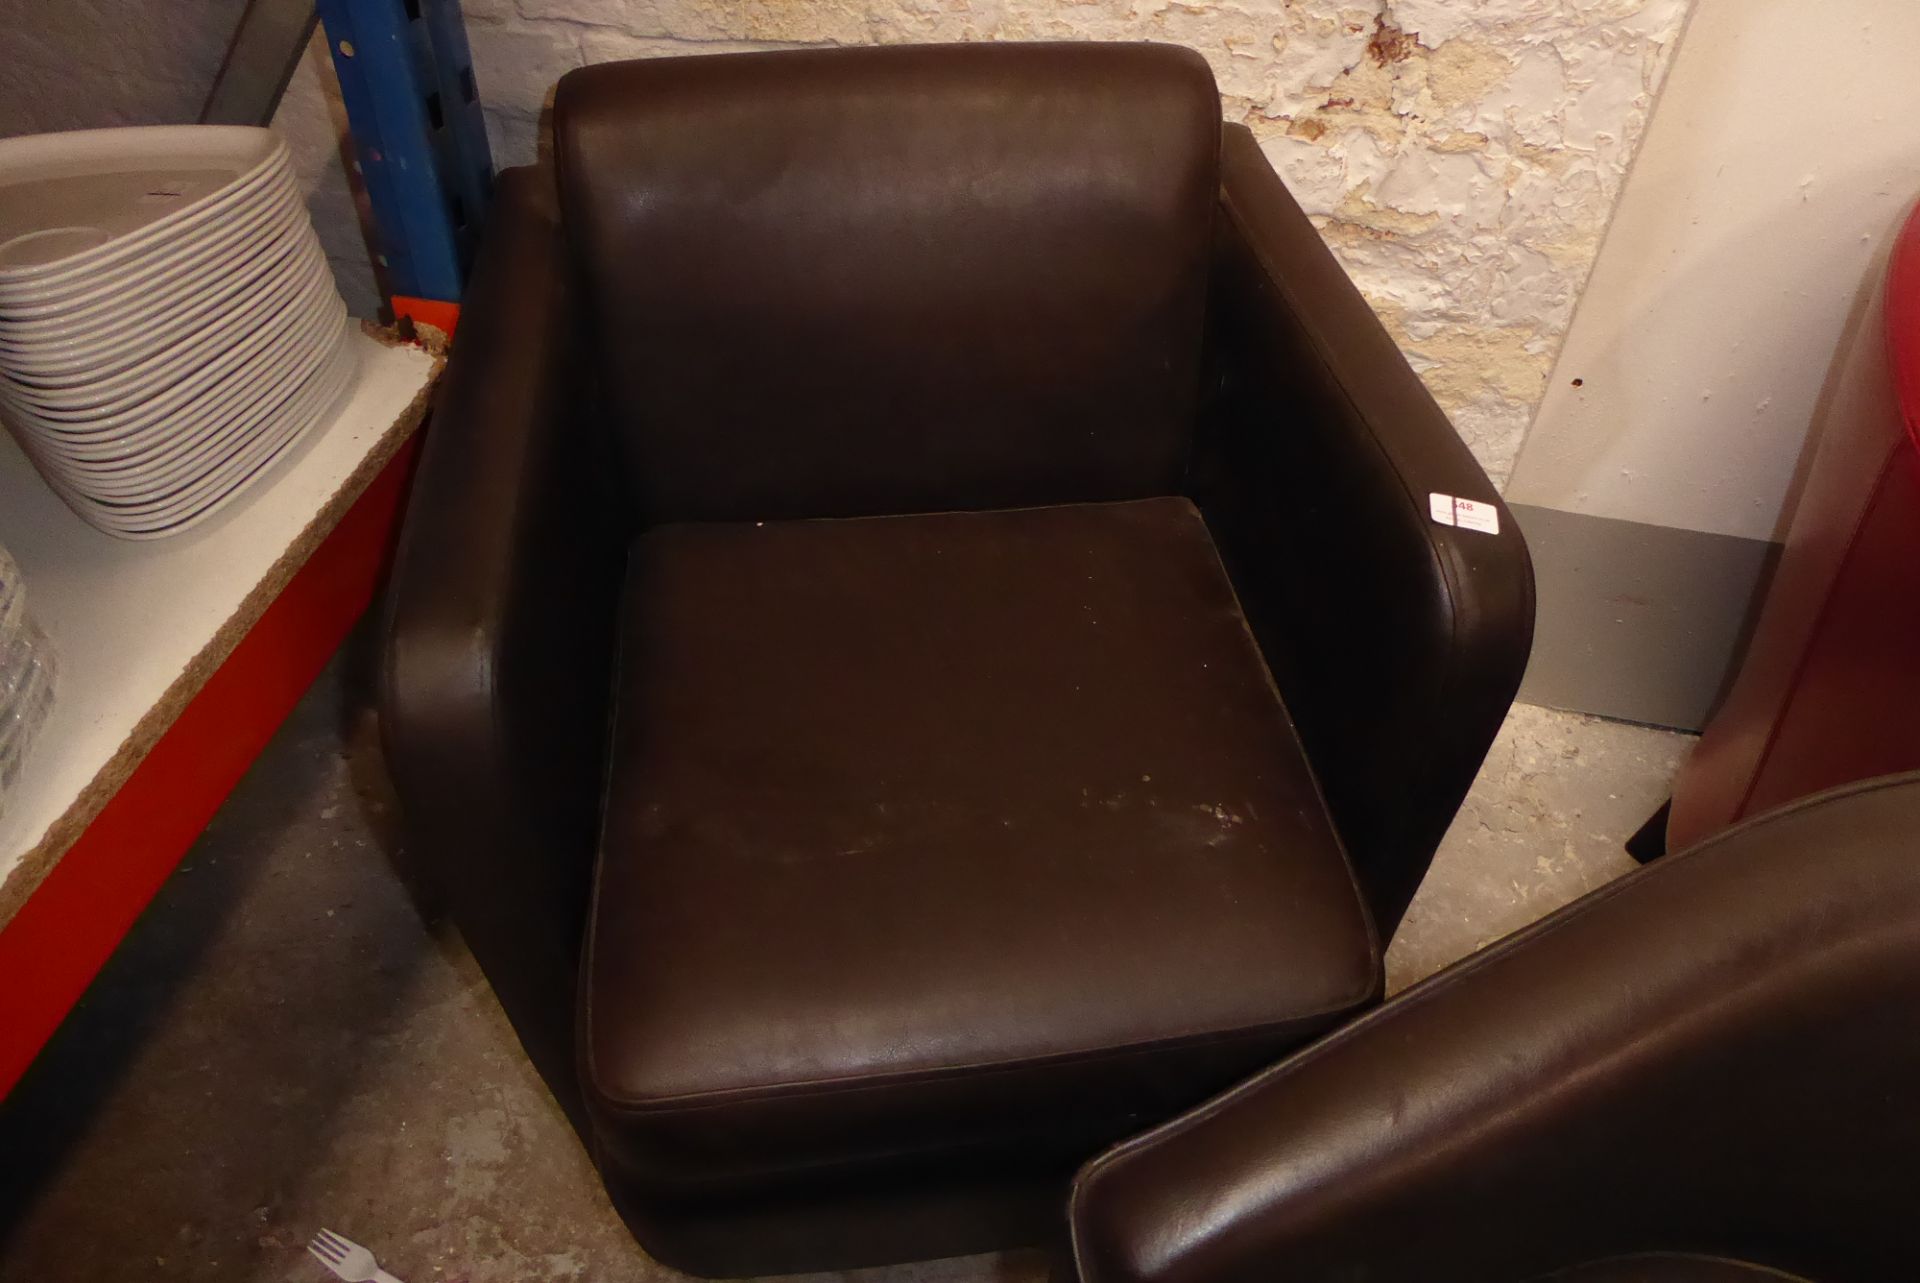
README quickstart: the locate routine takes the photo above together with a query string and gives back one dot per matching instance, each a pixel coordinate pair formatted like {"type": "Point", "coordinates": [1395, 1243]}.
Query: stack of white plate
{"type": "Point", "coordinates": [168, 323]}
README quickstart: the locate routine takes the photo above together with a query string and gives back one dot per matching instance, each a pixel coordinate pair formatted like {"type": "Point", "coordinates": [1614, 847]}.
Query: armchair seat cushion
{"type": "Point", "coordinates": [929, 840]}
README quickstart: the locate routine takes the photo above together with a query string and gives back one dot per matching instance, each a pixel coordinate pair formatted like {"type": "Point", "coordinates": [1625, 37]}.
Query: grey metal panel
{"type": "Point", "coordinates": [267, 44]}
{"type": "Point", "coordinates": [1637, 622]}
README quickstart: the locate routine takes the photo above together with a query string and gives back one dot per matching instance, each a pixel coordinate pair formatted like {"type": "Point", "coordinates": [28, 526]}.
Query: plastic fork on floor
{"type": "Point", "coordinates": [348, 1259]}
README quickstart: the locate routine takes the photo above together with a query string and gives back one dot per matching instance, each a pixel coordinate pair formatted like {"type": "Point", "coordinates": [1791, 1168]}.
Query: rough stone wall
{"type": "Point", "coordinates": [1462, 156]}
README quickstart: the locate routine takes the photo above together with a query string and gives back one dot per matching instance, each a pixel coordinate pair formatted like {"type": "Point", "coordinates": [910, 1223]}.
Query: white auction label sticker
{"type": "Point", "coordinates": [1470, 514]}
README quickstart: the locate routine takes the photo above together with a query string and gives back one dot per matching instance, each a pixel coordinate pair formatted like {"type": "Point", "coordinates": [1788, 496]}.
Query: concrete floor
{"type": "Point", "coordinates": [281, 1044]}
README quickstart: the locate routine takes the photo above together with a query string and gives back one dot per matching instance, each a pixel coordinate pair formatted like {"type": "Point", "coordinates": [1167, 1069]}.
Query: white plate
{"type": "Point", "coordinates": [170, 463]}
{"type": "Point", "coordinates": [151, 484]}
{"type": "Point", "coordinates": [157, 304]}
{"type": "Point", "coordinates": [261, 289]}
{"type": "Point", "coordinates": [139, 465]}
{"type": "Point", "coordinates": [142, 332]}
{"type": "Point", "coordinates": [30, 313]}
{"type": "Point", "coordinates": [312, 405]}
{"type": "Point", "coordinates": [253, 355]}
{"type": "Point", "coordinates": [146, 289]}
{"type": "Point", "coordinates": [143, 482]}
{"type": "Point", "coordinates": [153, 325]}
{"type": "Point", "coordinates": [291, 419]}
{"type": "Point", "coordinates": [109, 192]}
{"type": "Point", "coordinates": [269, 191]}
{"type": "Point", "coordinates": [274, 423]}
{"type": "Point", "coordinates": [169, 431]}
{"type": "Point", "coordinates": [41, 314]}
{"type": "Point", "coordinates": [104, 394]}
{"type": "Point", "coordinates": [185, 500]}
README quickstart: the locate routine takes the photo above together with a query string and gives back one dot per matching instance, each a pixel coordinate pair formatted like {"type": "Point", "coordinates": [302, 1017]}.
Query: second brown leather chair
{"type": "Point", "coordinates": [1706, 1072]}
{"type": "Point", "coordinates": [941, 527]}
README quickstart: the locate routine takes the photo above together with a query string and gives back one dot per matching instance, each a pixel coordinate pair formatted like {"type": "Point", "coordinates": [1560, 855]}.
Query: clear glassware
{"type": "Point", "coordinates": [13, 596]}
{"type": "Point", "coordinates": [26, 676]}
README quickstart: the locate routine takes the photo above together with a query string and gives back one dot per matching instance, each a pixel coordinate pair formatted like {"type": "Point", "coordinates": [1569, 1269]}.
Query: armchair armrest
{"type": "Point", "coordinates": [1397, 642]}
{"type": "Point", "coordinates": [501, 626]}
{"type": "Point", "coordinates": [1718, 1054]}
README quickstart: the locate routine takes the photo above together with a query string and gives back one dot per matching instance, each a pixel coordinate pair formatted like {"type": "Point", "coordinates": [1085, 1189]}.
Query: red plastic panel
{"type": "Point", "coordinates": [1829, 691]}
{"type": "Point", "coordinates": [58, 941]}
{"type": "Point", "coordinates": [1853, 710]}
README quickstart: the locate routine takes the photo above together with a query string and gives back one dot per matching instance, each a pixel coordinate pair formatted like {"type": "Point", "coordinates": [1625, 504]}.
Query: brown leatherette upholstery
{"type": "Point", "coordinates": [917, 424]}
{"type": "Point", "coordinates": [501, 628]}
{"type": "Point", "coordinates": [1664, 1267]}
{"type": "Point", "coordinates": [1397, 643]}
{"type": "Point", "coordinates": [1718, 1054]}
{"type": "Point", "coordinates": [909, 279]}
{"type": "Point", "coordinates": [946, 834]}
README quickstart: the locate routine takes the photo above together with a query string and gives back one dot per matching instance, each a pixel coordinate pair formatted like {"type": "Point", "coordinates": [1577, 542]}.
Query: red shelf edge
{"type": "Point", "coordinates": [53, 947]}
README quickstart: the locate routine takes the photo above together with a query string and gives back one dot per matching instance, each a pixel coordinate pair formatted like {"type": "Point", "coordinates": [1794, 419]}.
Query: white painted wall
{"type": "Point", "coordinates": [89, 64]}
{"type": "Point", "coordinates": [1784, 150]}
{"type": "Point", "coordinates": [314, 122]}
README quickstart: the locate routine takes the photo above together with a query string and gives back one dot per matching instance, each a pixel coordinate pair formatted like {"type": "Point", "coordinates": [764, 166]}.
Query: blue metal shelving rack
{"type": "Point", "coordinates": [406, 77]}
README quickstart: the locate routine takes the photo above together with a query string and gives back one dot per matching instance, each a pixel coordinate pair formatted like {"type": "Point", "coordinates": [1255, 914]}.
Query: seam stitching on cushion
{"type": "Point", "coordinates": [855, 1085]}
{"type": "Point", "coordinates": [584, 1058]}
{"type": "Point", "coordinates": [1374, 948]}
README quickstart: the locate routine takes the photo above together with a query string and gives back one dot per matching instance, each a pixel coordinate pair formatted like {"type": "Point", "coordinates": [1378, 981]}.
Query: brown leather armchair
{"type": "Point", "coordinates": [922, 643]}
{"type": "Point", "coordinates": [1706, 1072]}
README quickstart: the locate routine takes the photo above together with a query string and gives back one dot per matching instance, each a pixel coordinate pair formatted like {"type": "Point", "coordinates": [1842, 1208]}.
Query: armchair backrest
{"type": "Point", "coordinates": [847, 282]}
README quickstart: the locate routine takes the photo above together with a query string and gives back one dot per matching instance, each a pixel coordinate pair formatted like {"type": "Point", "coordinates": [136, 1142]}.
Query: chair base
{"type": "Point", "coordinates": [1649, 841]}
{"type": "Point", "coordinates": [838, 1229]}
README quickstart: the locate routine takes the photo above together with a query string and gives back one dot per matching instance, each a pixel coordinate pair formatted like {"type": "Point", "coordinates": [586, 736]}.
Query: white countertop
{"type": "Point", "coordinates": [138, 627]}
